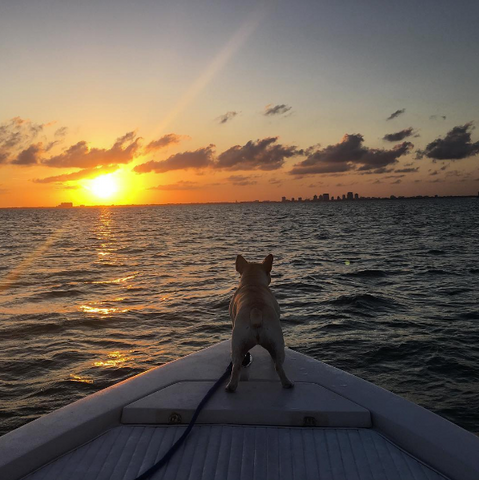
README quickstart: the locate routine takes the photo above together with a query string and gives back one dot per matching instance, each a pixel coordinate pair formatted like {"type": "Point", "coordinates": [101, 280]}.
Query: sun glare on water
{"type": "Point", "coordinates": [104, 186]}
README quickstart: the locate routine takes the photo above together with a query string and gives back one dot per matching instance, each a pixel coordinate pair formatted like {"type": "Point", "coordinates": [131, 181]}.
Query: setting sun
{"type": "Point", "coordinates": [104, 186]}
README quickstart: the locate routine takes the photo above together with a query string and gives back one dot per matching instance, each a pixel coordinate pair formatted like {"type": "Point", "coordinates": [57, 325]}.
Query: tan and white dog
{"type": "Point", "coordinates": [255, 315]}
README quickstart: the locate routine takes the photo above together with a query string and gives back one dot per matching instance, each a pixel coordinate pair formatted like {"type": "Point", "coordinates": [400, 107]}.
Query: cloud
{"type": "Point", "coordinates": [437, 117]}
{"type": "Point", "coordinates": [263, 154]}
{"type": "Point", "coordinates": [395, 176]}
{"type": "Point", "coordinates": [4, 156]}
{"type": "Point", "coordinates": [29, 156]}
{"type": "Point", "coordinates": [398, 136]}
{"type": "Point", "coordinates": [81, 174]}
{"type": "Point", "coordinates": [200, 158]}
{"type": "Point", "coordinates": [241, 181]}
{"type": "Point", "coordinates": [395, 182]}
{"type": "Point", "coordinates": [454, 173]}
{"type": "Point", "coordinates": [350, 154]}
{"type": "Point", "coordinates": [269, 111]}
{"type": "Point", "coordinates": [407, 170]}
{"type": "Point", "coordinates": [455, 146]}
{"type": "Point", "coordinates": [226, 117]}
{"type": "Point", "coordinates": [164, 141]}
{"type": "Point", "coordinates": [61, 132]}
{"type": "Point", "coordinates": [17, 135]}
{"type": "Point", "coordinates": [82, 156]}
{"type": "Point", "coordinates": [181, 185]}
{"type": "Point", "coordinates": [275, 181]}
{"type": "Point", "coordinates": [396, 114]}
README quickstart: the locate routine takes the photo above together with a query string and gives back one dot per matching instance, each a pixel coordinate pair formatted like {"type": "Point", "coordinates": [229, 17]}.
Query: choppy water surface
{"type": "Point", "coordinates": [386, 290]}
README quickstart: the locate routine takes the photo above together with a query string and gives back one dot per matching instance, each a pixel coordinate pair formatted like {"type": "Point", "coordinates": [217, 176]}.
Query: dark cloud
{"type": "Point", "coordinates": [395, 176]}
{"type": "Point", "coordinates": [29, 156]}
{"type": "Point", "coordinates": [82, 156]}
{"type": "Point", "coordinates": [269, 111]}
{"type": "Point", "coordinates": [164, 141]}
{"type": "Point", "coordinates": [396, 114]}
{"type": "Point", "coordinates": [455, 146]}
{"type": "Point", "coordinates": [454, 173]}
{"type": "Point", "coordinates": [241, 181]}
{"type": "Point", "coordinates": [398, 136]}
{"type": "Point", "coordinates": [226, 117]}
{"type": "Point", "coordinates": [200, 158]}
{"type": "Point", "coordinates": [17, 136]}
{"type": "Point", "coordinates": [81, 174]}
{"type": "Point", "coordinates": [181, 185]}
{"type": "Point", "coordinates": [437, 117]}
{"type": "Point", "coordinates": [4, 156]}
{"type": "Point", "coordinates": [396, 182]}
{"type": "Point", "coordinates": [350, 154]}
{"type": "Point", "coordinates": [275, 181]}
{"type": "Point", "coordinates": [61, 132]}
{"type": "Point", "coordinates": [263, 154]}
{"type": "Point", "coordinates": [407, 170]}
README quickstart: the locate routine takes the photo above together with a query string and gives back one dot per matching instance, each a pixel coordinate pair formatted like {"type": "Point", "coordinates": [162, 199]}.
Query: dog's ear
{"type": "Point", "coordinates": [268, 263]}
{"type": "Point", "coordinates": [240, 264]}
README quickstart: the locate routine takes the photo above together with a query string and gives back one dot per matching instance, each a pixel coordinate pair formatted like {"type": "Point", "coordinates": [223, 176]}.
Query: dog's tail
{"type": "Point", "coordinates": [256, 317]}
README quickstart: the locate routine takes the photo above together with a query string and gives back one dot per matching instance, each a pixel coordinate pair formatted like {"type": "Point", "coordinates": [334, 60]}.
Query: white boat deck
{"type": "Point", "coordinates": [219, 452]}
{"type": "Point", "coordinates": [332, 425]}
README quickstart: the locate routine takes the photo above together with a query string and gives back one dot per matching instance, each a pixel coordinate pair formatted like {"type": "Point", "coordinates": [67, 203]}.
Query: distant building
{"type": "Point", "coordinates": [300, 199]}
{"type": "Point", "coordinates": [356, 196]}
{"type": "Point", "coordinates": [326, 197]}
{"type": "Point", "coordinates": [315, 198]}
{"type": "Point", "coordinates": [283, 199]}
{"type": "Point", "coordinates": [65, 205]}
{"type": "Point", "coordinates": [344, 196]}
{"type": "Point", "coordinates": [292, 199]}
{"type": "Point", "coordinates": [350, 195]}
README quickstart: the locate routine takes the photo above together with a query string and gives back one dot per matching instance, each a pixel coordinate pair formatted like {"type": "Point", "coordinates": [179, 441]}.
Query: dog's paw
{"type": "Point", "coordinates": [230, 388]}
{"type": "Point", "coordinates": [288, 385]}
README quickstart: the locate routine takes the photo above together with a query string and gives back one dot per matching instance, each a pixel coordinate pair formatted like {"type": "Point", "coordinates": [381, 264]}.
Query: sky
{"type": "Point", "coordinates": [178, 101]}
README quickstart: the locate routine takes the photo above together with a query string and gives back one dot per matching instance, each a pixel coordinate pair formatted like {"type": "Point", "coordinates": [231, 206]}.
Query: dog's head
{"type": "Point", "coordinates": [255, 272]}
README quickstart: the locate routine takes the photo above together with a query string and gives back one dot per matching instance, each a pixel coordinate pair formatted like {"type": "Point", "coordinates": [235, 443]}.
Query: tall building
{"type": "Point", "coordinates": [326, 197]}
{"type": "Point", "coordinates": [356, 196]}
{"type": "Point", "coordinates": [350, 195]}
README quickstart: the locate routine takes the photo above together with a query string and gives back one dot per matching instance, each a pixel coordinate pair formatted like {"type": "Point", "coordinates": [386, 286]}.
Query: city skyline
{"type": "Point", "coordinates": [204, 102]}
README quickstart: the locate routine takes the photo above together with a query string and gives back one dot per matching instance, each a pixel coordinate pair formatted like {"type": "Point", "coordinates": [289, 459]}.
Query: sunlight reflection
{"type": "Point", "coordinates": [118, 280]}
{"type": "Point", "coordinates": [102, 310]}
{"type": "Point", "coordinates": [80, 379]}
{"type": "Point", "coordinates": [114, 359]}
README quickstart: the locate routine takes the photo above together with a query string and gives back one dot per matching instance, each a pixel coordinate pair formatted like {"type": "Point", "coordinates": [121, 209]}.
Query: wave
{"type": "Point", "coordinates": [52, 294]}
{"type": "Point", "coordinates": [363, 301]}
{"type": "Point", "coordinates": [371, 273]}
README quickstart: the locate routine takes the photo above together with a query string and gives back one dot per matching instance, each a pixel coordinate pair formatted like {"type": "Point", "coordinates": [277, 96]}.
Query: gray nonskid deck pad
{"type": "Point", "coordinates": [219, 452]}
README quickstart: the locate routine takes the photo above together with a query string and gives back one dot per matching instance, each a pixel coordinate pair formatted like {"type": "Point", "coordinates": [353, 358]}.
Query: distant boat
{"type": "Point", "coordinates": [331, 425]}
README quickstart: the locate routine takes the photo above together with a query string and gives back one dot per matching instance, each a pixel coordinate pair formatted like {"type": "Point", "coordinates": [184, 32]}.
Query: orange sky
{"type": "Point", "coordinates": [235, 102]}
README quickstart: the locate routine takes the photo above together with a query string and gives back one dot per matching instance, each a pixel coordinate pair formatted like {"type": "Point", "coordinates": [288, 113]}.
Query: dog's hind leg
{"type": "Point", "coordinates": [239, 348]}
{"type": "Point", "coordinates": [278, 358]}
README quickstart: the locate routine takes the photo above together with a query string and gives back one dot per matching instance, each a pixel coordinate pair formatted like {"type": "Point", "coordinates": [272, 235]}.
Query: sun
{"type": "Point", "coordinates": [104, 186]}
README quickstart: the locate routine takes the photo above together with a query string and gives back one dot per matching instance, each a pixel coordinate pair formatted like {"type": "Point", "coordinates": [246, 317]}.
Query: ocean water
{"type": "Point", "coordinates": [386, 290]}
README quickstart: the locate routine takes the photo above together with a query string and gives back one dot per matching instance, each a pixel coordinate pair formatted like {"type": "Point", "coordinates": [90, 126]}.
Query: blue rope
{"type": "Point", "coordinates": [178, 443]}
